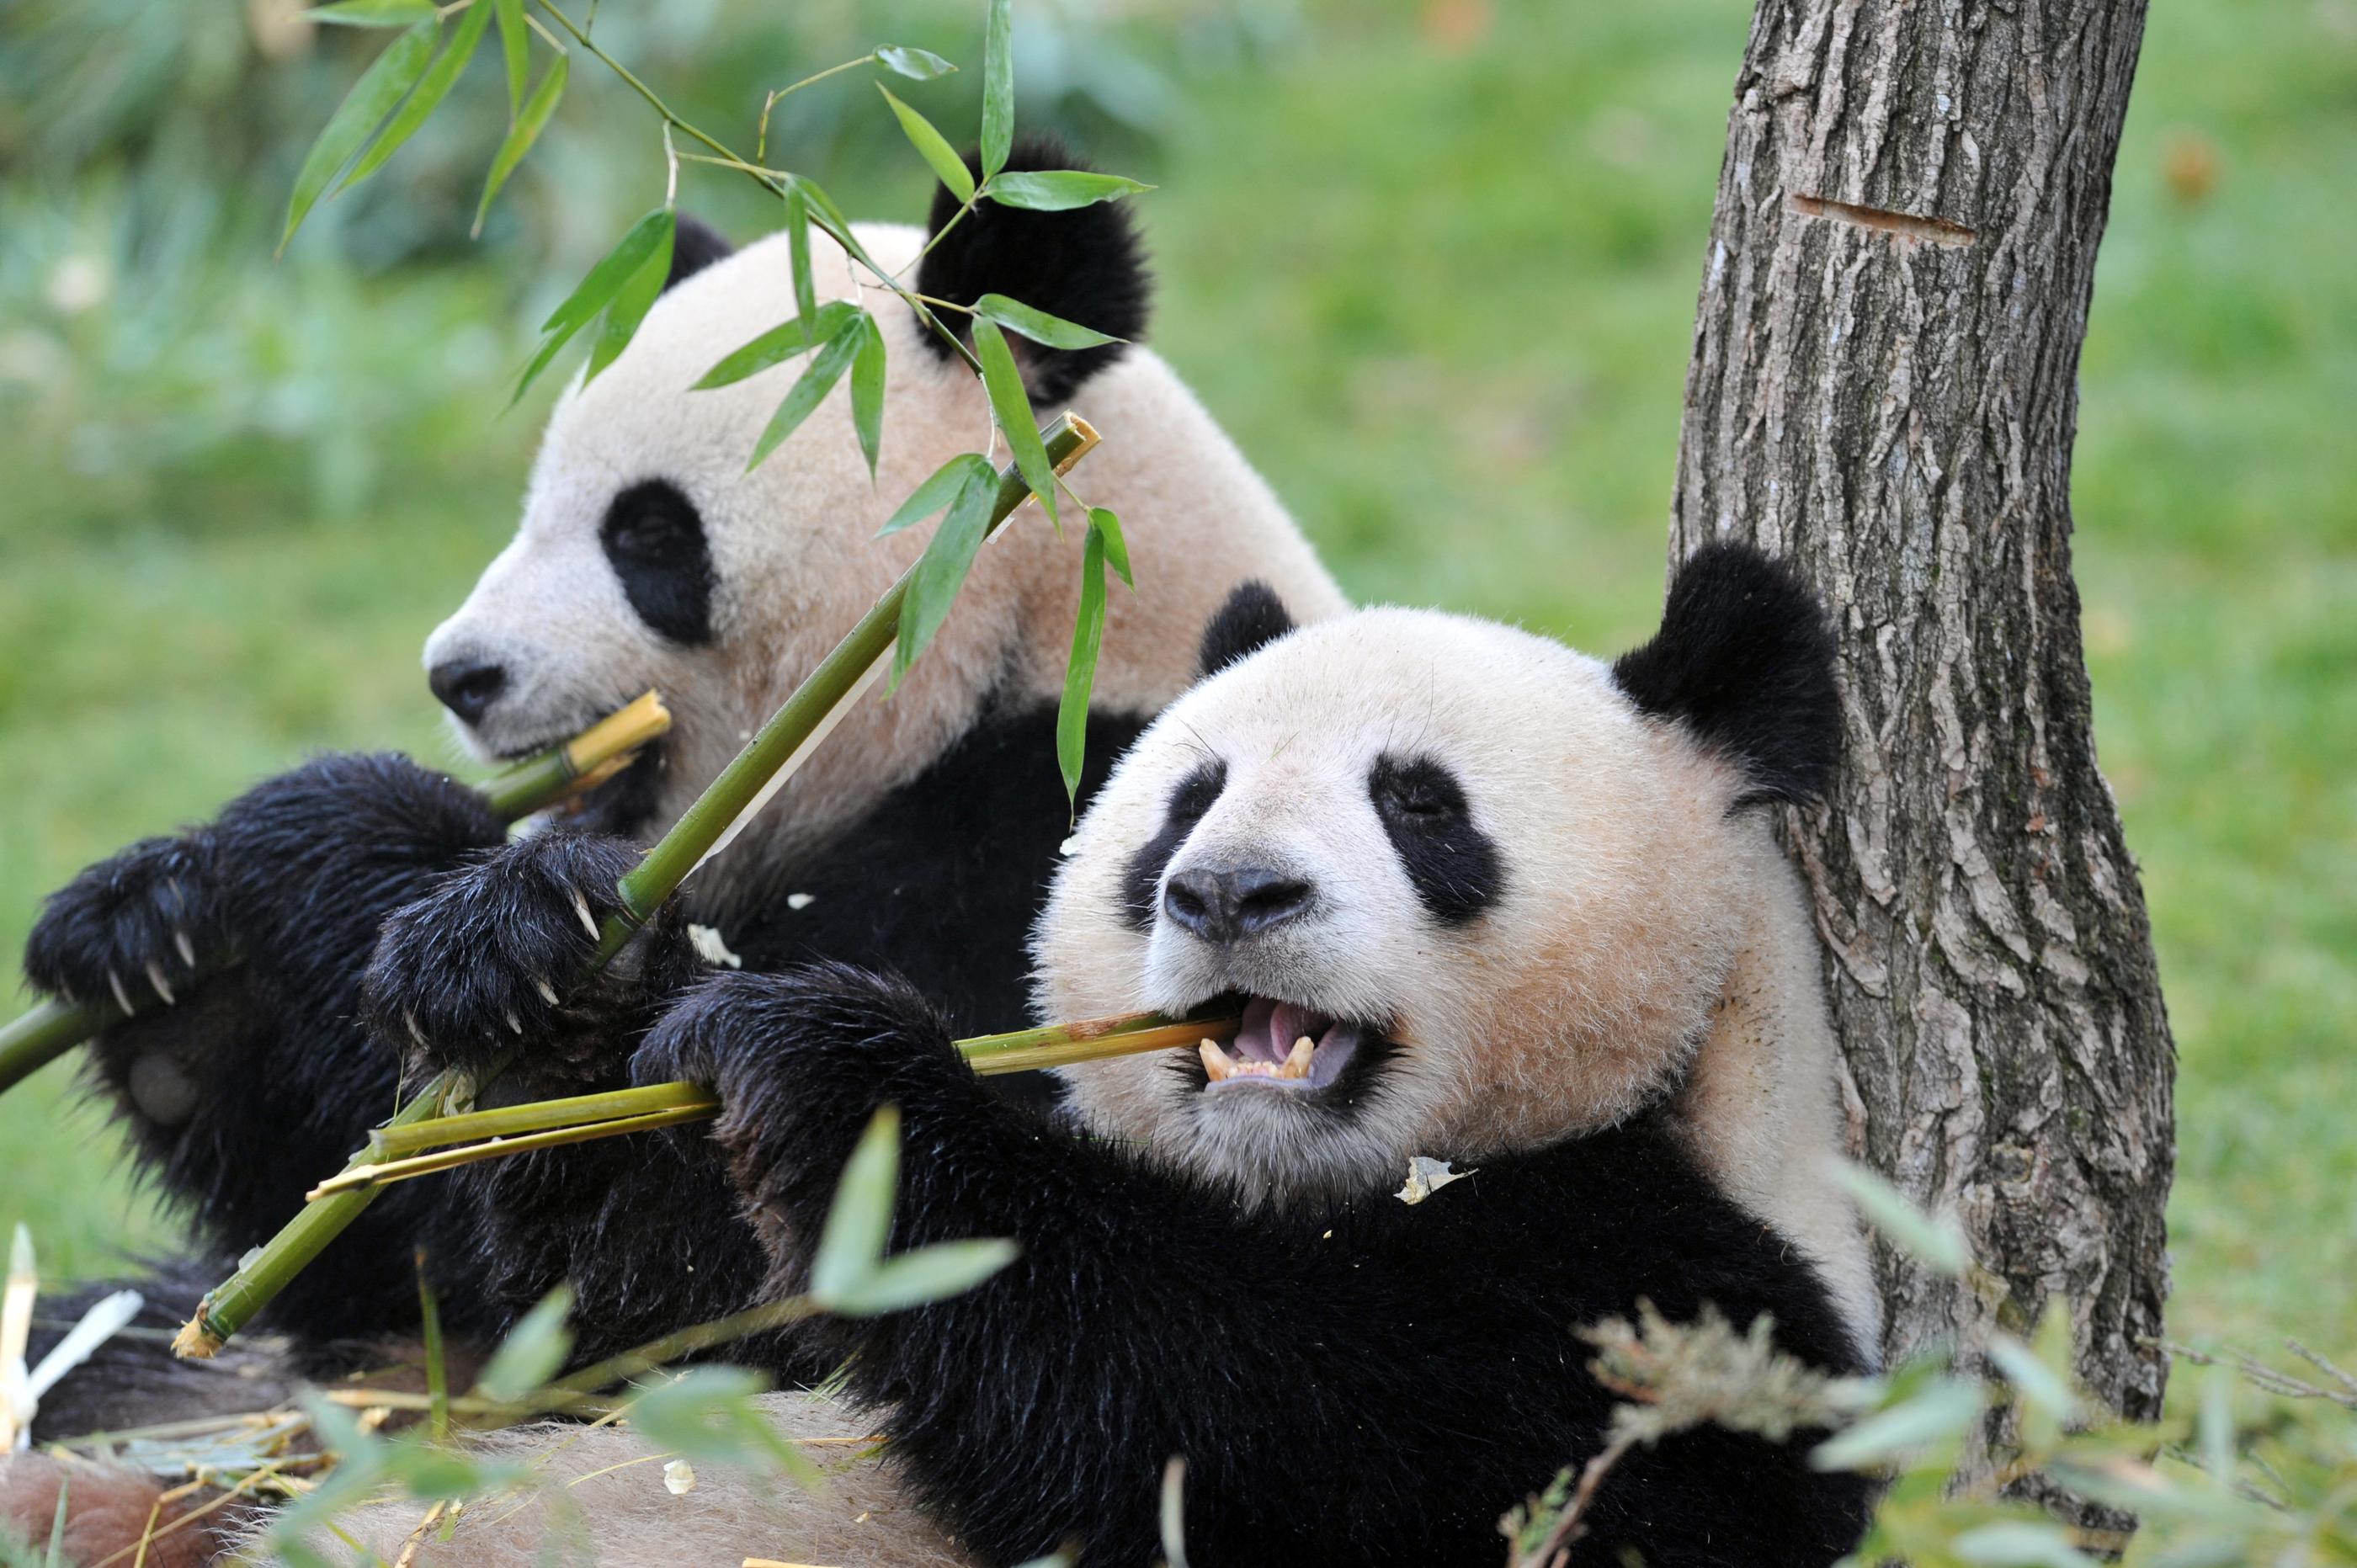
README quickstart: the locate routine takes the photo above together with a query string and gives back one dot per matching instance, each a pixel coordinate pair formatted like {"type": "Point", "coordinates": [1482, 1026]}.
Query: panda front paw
{"type": "Point", "coordinates": [135, 928]}
{"type": "Point", "coordinates": [494, 957]}
{"type": "Point", "coordinates": [800, 1061]}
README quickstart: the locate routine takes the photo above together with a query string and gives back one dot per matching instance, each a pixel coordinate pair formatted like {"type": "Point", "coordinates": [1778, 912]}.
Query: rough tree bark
{"type": "Point", "coordinates": [1883, 391]}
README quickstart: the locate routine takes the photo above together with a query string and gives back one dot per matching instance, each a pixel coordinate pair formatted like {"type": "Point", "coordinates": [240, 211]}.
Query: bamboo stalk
{"type": "Point", "coordinates": [46, 1032]}
{"type": "Point", "coordinates": [549, 1123]}
{"type": "Point", "coordinates": [743, 787]}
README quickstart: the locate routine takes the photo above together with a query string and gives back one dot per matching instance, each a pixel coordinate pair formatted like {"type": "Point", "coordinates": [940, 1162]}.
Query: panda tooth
{"type": "Point", "coordinates": [156, 979]}
{"type": "Point", "coordinates": [1216, 1062]}
{"type": "Point", "coordinates": [1297, 1061]}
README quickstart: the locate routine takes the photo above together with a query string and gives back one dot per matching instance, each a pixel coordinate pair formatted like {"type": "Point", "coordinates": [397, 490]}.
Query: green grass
{"type": "Point", "coordinates": [1443, 290]}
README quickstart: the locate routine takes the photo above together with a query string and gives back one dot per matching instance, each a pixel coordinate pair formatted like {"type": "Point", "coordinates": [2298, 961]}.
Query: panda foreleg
{"type": "Point", "coordinates": [244, 1087]}
{"type": "Point", "coordinates": [489, 964]}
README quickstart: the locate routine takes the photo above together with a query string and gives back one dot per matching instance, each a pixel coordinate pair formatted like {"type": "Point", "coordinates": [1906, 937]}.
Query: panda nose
{"type": "Point", "coordinates": [468, 687]}
{"type": "Point", "coordinates": [1226, 904]}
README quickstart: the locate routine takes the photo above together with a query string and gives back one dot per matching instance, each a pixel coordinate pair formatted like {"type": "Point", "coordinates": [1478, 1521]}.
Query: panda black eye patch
{"type": "Point", "coordinates": [1143, 879]}
{"type": "Point", "coordinates": [653, 538]}
{"type": "Point", "coordinates": [1451, 864]}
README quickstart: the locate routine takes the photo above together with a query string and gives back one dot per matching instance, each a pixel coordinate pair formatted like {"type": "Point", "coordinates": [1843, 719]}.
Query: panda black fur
{"type": "Point", "coordinates": [919, 837]}
{"type": "Point", "coordinates": [1213, 1265]}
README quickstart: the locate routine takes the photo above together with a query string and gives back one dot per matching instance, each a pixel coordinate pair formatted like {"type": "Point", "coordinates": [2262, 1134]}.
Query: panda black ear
{"type": "Point", "coordinates": [1084, 264]}
{"type": "Point", "coordinates": [694, 245]}
{"type": "Point", "coordinates": [1253, 618]}
{"type": "Point", "coordinates": [1745, 660]}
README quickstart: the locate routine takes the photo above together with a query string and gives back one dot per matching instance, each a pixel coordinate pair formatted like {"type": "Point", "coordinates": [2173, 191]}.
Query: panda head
{"type": "Point", "coordinates": [649, 556]}
{"type": "Point", "coordinates": [1489, 880]}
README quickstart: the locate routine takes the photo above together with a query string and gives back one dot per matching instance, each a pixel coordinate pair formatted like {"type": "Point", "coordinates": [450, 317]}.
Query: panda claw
{"type": "Point", "coordinates": [547, 993]}
{"type": "Point", "coordinates": [156, 979]}
{"type": "Point", "coordinates": [122, 997]}
{"type": "Point", "coordinates": [188, 949]}
{"type": "Point", "coordinates": [515, 1026]}
{"type": "Point", "coordinates": [581, 908]}
{"type": "Point", "coordinates": [415, 1032]}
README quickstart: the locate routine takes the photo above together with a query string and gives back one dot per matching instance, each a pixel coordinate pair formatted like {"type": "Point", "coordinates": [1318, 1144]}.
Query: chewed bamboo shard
{"type": "Point", "coordinates": [397, 1153]}
{"type": "Point", "coordinates": [43, 1033]}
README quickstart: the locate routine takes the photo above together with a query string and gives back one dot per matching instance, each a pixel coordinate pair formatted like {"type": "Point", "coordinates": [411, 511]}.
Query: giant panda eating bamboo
{"type": "Point", "coordinates": [1479, 899]}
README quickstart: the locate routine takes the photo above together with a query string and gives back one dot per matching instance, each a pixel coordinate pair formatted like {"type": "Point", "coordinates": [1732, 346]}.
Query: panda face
{"type": "Point", "coordinates": [1456, 860]}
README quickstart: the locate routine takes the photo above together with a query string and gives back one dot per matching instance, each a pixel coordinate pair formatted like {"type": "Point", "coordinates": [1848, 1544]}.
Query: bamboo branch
{"type": "Point", "coordinates": [393, 1153]}
{"type": "Point", "coordinates": [744, 786]}
{"type": "Point", "coordinates": [47, 1031]}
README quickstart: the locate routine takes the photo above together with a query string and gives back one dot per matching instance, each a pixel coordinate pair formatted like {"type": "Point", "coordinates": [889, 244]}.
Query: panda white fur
{"type": "Point", "coordinates": [918, 837]}
{"type": "Point", "coordinates": [1479, 898]}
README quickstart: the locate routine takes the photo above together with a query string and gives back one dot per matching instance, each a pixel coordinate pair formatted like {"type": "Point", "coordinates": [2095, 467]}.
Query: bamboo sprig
{"type": "Point", "coordinates": [398, 1152]}
{"type": "Point", "coordinates": [47, 1031]}
{"type": "Point", "coordinates": [744, 786]}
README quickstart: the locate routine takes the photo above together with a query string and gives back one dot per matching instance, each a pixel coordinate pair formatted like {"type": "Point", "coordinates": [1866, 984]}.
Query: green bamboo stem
{"type": "Point", "coordinates": [703, 829]}
{"type": "Point", "coordinates": [49, 1029]}
{"type": "Point", "coordinates": [397, 1153]}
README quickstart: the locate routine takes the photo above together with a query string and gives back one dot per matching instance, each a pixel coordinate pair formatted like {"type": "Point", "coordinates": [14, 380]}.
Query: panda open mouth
{"type": "Point", "coordinates": [1282, 1046]}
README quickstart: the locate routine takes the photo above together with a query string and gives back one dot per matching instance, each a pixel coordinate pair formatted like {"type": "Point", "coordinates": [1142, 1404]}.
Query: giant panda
{"type": "Point", "coordinates": [1477, 898]}
{"type": "Point", "coordinates": [919, 837]}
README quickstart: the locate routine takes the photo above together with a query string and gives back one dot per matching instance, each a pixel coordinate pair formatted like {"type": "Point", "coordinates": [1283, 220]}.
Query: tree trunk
{"type": "Point", "coordinates": [1883, 392]}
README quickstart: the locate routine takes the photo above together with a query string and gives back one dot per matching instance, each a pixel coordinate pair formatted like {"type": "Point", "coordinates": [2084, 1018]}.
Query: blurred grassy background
{"type": "Point", "coordinates": [1434, 265]}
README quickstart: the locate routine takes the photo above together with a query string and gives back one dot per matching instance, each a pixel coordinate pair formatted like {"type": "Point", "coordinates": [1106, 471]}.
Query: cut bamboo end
{"type": "Point", "coordinates": [1087, 440]}
{"type": "Point", "coordinates": [195, 1341]}
{"type": "Point", "coordinates": [617, 734]}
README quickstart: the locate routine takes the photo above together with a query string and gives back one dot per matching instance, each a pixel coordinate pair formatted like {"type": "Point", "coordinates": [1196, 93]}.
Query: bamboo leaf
{"type": "Point", "coordinates": [998, 89]}
{"type": "Point", "coordinates": [867, 390]}
{"type": "Point", "coordinates": [1102, 521]}
{"type": "Point", "coordinates": [372, 13]}
{"type": "Point", "coordinates": [1936, 1242]}
{"type": "Point", "coordinates": [431, 88]}
{"type": "Point", "coordinates": [777, 345]}
{"type": "Point", "coordinates": [1081, 669]}
{"type": "Point", "coordinates": [532, 1350]}
{"type": "Point", "coordinates": [942, 570]}
{"type": "Point", "coordinates": [1060, 190]}
{"type": "Point", "coordinates": [917, 65]}
{"type": "Point", "coordinates": [2018, 1543]}
{"type": "Point", "coordinates": [826, 368]}
{"type": "Point", "coordinates": [1942, 1410]}
{"type": "Point", "coordinates": [937, 491]}
{"type": "Point", "coordinates": [632, 302]}
{"type": "Point", "coordinates": [859, 1221]}
{"type": "Point", "coordinates": [383, 85]}
{"type": "Point", "coordinates": [598, 288]}
{"type": "Point", "coordinates": [830, 219]}
{"type": "Point", "coordinates": [798, 251]}
{"type": "Point", "coordinates": [529, 122]}
{"type": "Point", "coordinates": [939, 156]}
{"type": "Point", "coordinates": [1011, 406]}
{"type": "Point", "coordinates": [1037, 325]}
{"type": "Point", "coordinates": [925, 1274]}
{"type": "Point", "coordinates": [515, 42]}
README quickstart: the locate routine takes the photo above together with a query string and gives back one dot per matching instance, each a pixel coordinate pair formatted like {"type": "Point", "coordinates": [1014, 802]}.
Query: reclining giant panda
{"type": "Point", "coordinates": [919, 837]}
{"type": "Point", "coordinates": [1477, 898]}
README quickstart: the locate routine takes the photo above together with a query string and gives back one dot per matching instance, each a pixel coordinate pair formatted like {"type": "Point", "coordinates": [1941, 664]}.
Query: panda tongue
{"type": "Point", "coordinates": [1267, 1030]}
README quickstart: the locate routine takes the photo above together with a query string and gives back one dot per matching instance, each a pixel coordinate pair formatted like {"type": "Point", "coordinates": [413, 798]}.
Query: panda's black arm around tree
{"type": "Point", "coordinates": [252, 1083]}
{"type": "Point", "coordinates": [1369, 1384]}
